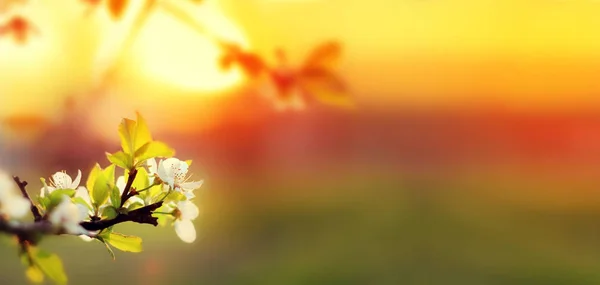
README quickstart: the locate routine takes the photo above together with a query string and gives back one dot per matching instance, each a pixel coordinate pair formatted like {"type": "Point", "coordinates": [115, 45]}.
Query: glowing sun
{"type": "Point", "coordinates": [173, 49]}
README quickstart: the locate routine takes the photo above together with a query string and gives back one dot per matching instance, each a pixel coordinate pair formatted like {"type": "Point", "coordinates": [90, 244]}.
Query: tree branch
{"type": "Point", "coordinates": [34, 210]}
{"type": "Point", "coordinates": [127, 191]}
{"type": "Point", "coordinates": [142, 216]}
{"type": "Point", "coordinates": [31, 232]}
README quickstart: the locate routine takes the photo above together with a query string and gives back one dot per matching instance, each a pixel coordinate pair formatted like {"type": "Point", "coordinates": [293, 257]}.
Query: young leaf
{"type": "Point", "coordinates": [50, 264]}
{"type": "Point", "coordinates": [115, 197]}
{"type": "Point", "coordinates": [142, 133]}
{"type": "Point", "coordinates": [151, 150]}
{"type": "Point", "coordinates": [103, 185]}
{"type": "Point", "coordinates": [112, 253]}
{"type": "Point", "coordinates": [56, 197]}
{"type": "Point", "coordinates": [127, 135]}
{"type": "Point", "coordinates": [120, 159]}
{"type": "Point", "coordinates": [81, 201]}
{"type": "Point", "coordinates": [134, 205]}
{"type": "Point", "coordinates": [92, 177]}
{"type": "Point", "coordinates": [34, 274]}
{"type": "Point", "coordinates": [44, 202]}
{"type": "Point", "coordinates": [110, 212]}
{"type": "Point", "coordinates": [141, 180]}
{"type": "Point", "coordinates": [125, 242]}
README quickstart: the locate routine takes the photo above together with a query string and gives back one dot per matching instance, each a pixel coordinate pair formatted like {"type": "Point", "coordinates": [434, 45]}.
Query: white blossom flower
{"type": "Point", "coordinates": [173, 172]}
{"type": "Point", "coordinates": [61, 180]}
{"type": "Point", "coordinates": [67, 215]}
{"type": "Point", "coordinates": [185, 212]}
{"type": "Point", "coordinates": [12, 203]}
{"type": "Point", "coordinates": [88, 211]}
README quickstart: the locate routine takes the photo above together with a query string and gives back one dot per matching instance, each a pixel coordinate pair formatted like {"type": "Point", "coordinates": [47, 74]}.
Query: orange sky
{"type": "Point", "coordinates": [515, 52]}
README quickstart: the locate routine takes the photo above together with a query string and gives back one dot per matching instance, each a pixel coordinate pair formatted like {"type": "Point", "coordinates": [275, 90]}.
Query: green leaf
{"type": "Point", "coordinates": [56, 197]}
{"type": "Point", "coordinates": [120, 159]}
{"type": "Point", "coordinates": [127, 135]}
{"type": "Point", "coordinates": [81, 201]}
{"type": "Point", "coordinates": [115, 197]}
{"type": "Point", "coordinates": [175, 196]}
{"type": "Point", "coordinates": [164, 220]}
{"type": "Point", "coordinates": [153, 149]}
{"type": "Point", "coordinates": [34, 274]}
{"type": "Point", "coordinates": [112, 253]}
{"type": "Point", "coordinates": [50, 264]}
{"type": "Point", "coordinates": [134, 205]}
{"type": "Point", "coordinates": [141, 179]}
{"type": "Point", "coordinates": [44, 202]}
{"type": "Point", "coordinates": [92, 177]}
{"type": "Point", "coordinates": [125, 242]}
{"type": "Point", "coordinates": [110, 212]}
{"type": "Point", "coordinates": [103, 185]}
{"type": "Point", "coordinates": [142, 133]}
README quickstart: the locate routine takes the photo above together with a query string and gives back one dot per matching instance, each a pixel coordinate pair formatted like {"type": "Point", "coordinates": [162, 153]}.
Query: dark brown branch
{"type": "Point", "coordinates": [34, 210]}
{"type": "Point", "coordinates": [142, 216]}
{"type": "Point", "coordinates": [127, 191]}
{"type": "Point", "coordinates": [32, 232]}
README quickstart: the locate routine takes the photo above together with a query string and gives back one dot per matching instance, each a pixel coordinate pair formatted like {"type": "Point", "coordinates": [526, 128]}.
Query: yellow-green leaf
{"type": "Point", "coordinates": [120, 159]}
{"type": "Point", "coordinates": [141, 180]}
{"type": "Point", "coordinates": [142, 133]}
{"type": "Point", "coordinates": [92, 177]}
{"type": "Point", "coordinates": [34, 274]}
{"type": "Point", "coordinates": [50, 264]}
{"type": "Point", "coordinates": [125, 242]}
{"type": "Point", "coordinates": [112, 253]}
{"type": "Point", "coordinates": [153, 149]}
{"type": "Point", "coordinates": [115, 197]}
{"type": "Point", "coordinates": [109, 213]}
{"type": "Point", "coordinates": [103, 185]}
{"type": "Point", "coordinates": [127, 135]}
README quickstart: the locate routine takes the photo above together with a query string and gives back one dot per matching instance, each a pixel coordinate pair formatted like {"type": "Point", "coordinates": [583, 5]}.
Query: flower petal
{"type": "Point", "coordinates": [62, 180]}
{"type": "Point", "coordinates": [86, 238]}
{"type": "Point", "coordinates": [192, 185]}
{"type": "Point", "coordinates": [166, 171]}
{"type": "Point", "coordinates": [75, 183]}
{"type": "Point", "coordinates": [152, 166]}
{"type": "Point", "coordinates": [189, 210]}
{"type": "Point", "coordinates": [185, 230]}
{"type": "Point", "coordinates": [46, 191]}
{"type": "Point", "coordinates": [16, 206]}
{"type": "Point", "coordinates": [84, 194]}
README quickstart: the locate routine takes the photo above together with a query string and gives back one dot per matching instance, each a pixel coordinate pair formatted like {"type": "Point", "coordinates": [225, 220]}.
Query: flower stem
{"type": "Point", "coordinates": [145, 189]}
{"type": "Point", "coordinates": [168, 193]}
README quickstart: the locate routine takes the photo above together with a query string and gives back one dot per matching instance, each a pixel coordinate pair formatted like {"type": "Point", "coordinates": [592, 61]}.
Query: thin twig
{"type": "Point", "coordinates": [127, 191]}
{"type": "Point", "coordinates": [34, 210]}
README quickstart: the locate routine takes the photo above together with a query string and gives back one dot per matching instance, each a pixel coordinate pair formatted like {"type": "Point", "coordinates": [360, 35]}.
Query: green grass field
{"type": "Point", "coordinates": [359, 230]}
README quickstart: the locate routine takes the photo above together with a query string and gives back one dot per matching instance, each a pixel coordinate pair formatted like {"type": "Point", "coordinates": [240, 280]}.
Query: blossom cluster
{"type": "Point", "coordinates": [152, 187]}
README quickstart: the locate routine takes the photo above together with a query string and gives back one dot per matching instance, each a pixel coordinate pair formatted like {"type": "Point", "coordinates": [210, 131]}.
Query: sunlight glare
{"type": "Point", "coordinates": [173, 53]}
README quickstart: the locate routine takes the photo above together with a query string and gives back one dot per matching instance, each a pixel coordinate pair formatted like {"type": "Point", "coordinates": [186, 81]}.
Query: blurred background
{"type": "Point", "coordinates": [471, 157]}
